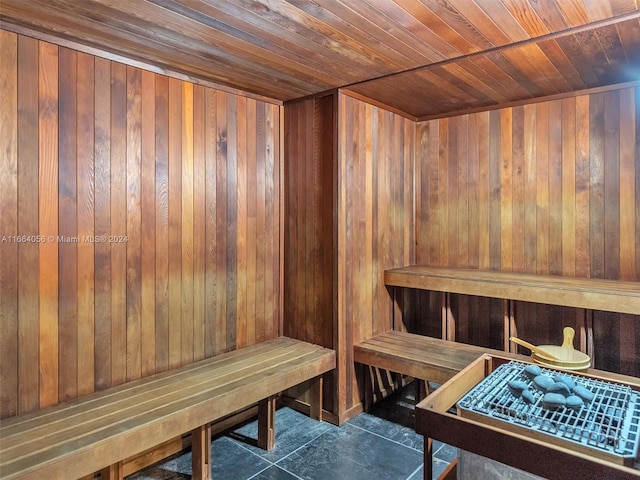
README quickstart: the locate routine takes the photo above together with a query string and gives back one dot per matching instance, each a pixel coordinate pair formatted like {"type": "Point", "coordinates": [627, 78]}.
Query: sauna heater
{"type": "Point", "coordinates": [607, 427]}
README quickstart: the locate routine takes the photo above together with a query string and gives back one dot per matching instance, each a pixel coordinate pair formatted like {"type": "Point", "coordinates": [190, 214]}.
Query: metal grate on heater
{"type": "Point", "coordinates": [610, 423]}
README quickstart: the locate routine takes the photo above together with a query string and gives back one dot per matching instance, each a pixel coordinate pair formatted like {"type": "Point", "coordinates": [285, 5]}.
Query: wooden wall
{"type": "Point", "coordinates": [310, 248]}
{"type": "Point", "coordinates": [375, 223]}
{"type": "Point", "coordinates": [140, 223]}
{"type": "Point", "coordinates": [309, 221]}
{"type": "Point", "coordinates": [549, 188]}
{"type": "Point", "coordinates": [349, 216]}
{"type": "Point", "coordinates": [182, 185]}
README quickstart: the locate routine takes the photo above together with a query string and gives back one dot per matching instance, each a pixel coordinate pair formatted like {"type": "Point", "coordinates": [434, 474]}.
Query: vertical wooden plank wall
{"type": "Point", "coordinates": [348, 217]}
{"type": "Point", "coordinates": [139, 226]}
{"type": "Point", "coordinates": [310, 234]}
{"type": "Point", "coordinates": [549, 188]}
{"type": "Point", "coordinates": [310, 282]}
{"type": "Point", "coordinates": [375, 224]}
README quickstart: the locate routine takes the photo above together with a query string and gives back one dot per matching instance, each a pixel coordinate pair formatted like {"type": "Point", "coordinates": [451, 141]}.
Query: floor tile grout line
{"type": "Point", "coordinates": [272, 463]}
{"type": "Point", "coordinates": [290, 472]}
{"type": "Point", "coordinates": [386, 438]}
{"type": "Point", "coordinates": [301, 446]}
{"type": "Point", "coordinates": [263, 470]}
{"type": "Point", "coordinates": [276, 466]}
{"type": "Point", "coordinates": [243, 446]}
{"type": "Point", "coordinates": [414, 472]}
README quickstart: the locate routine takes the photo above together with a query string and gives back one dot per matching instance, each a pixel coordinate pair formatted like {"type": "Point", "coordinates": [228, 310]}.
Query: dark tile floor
{"type": "Point", "coordinates": [381, 445]}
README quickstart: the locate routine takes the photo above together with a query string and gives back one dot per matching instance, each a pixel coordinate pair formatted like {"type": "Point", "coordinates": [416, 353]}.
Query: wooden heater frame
{"type": "Point", "coordinates": [434, 420]}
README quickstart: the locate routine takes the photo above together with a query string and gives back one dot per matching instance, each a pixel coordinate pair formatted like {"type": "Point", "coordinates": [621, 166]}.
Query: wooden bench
{"type": "Point", "coordinates": [418, 356]}
{"type": "Point", "coordinates": [438, 360]}
{"type": "Point", "coordinates": [96, 432]}
{"type": "Point", "coordinates": [588, 293]}
{"type": "Point", "coordinates": [433, 359]}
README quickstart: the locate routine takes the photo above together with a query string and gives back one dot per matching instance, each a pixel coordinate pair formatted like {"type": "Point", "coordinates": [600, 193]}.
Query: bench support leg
{"type": "Point", "coordinates": [316, 399]}
{"type": "Point", "coordinates": [201, 453]}
{"type": "Point", "coordinates": [368, 388]}
{"type": "Point", "coordinates": [113, 472]}
{"type": "Point", "coordinates": [267, 423]}
{"type": "Point", "coordinates": [428, 459]}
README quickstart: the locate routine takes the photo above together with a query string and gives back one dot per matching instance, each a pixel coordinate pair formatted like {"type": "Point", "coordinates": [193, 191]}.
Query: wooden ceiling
{"type": "Point", "coordinates": [426, 58]}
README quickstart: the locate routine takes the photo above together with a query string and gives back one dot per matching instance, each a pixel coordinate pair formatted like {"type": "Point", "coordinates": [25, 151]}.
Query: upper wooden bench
{"type": "Point", "coordinates": [428, 358]}
{"type": "Point", "coordinates": [96, 432]}
{"type": "Point", "coordinates": [587, 293]}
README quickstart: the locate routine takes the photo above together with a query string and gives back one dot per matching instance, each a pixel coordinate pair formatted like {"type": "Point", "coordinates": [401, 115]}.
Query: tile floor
{"type": "Point", "coordinates": [380, 445]}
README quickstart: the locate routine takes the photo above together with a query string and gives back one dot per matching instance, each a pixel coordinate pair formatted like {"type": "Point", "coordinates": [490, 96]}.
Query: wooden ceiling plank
{"type": "Point", "coordinates": [452, 92]}
{"type": "Point", "coordinates": [611, 44]}
{"type": "Point", "coordinates": [332, 36]}
{"type": "Point", "coordinates": [540, 58]}
{"type": "Point", "coordinates": [572, 46]}
{"type": "Point", "coordinates": [504, 19]}
{"type": "Point", "coordinates": [527, 59]}
{"type": "Point", "coordinates": [428, 56]}
{"type": "Point", "coordinates": [230, 43]}
{"type": "Point", "coordinates": [398, 92]}
{"type": "Point", "coordinates": [466, 72]}
{"type": "Point", "coordinates": [391, 31]}
{"type": "Point", "coordinates": [527, 17]}
{"type": "Point", "coordinates": [482, 22]}
{"type": "Point", "coordinates": [472, 88]}
{"type": "Point", "coordinates": [408, 94]}
{"type": "Point", "coordinates": [254, 29]}
{"type": "Point", "coordinates": [437, 48]}
{"type": "Point", "coordinates": [233, 65]}
{"type": "Point", "coordinates": [162, 56]}
{"type": "Point", "coordinates": [417, 27]}
{"type": "Point", "coordinates": [593, 56]}
{"type": "Point", "coordinates": [506, 64]}
{"type": "Point", "coordinates": [621, 7]}
{"type": "Point", "coordinates": [346, 28]}
{"type": "Point", "coordinates": [630, 36]}
{"type": "Point", "coordinates": [184, 31]}
{"type": "Point", "coordinates": [312, 38]}
{"type": "Point", "coordinates": [551, 15]}
{"type": "Point", "coordinates": [373, 27]}
{"type": "Point", "coordinates": [425, 14]}
{"type": "Point", "coordinates": [483, 67]}
{"type": "Point", "coordinates": [598, 9]}
{"type": "Point", "coordinates": [468, 27]}
{"type": "Point", "coordinates": [558, 57]}
{"type": "Point", "coordinates": [614, 52]}
{"type": "Point", "coordinates": [575, 12]}
{"type": "Point", "coordinates": [319, 43]}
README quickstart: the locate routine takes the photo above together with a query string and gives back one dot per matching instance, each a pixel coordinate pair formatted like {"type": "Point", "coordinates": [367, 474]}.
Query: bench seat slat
{"type": "Point", "coordinates": [590, 293]}
{"type": "Point", "coordinates": [435, 355]}
{"type": "Point", "coordinates": [113, 405]}
{"type": "Point", "coordinates": [94, 444]}
{"type": "Point", "coordinates": [419, 356]}
{"type": "Point", "coordinates": [105, 397]}
{"type": "Point", "coordinates": [183, 392]}
{"type": "Point", "coordinates": [440, 351]}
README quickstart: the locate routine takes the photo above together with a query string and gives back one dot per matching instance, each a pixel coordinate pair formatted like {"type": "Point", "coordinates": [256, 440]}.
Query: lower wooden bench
{"type": "Point", "coordinates": [418, 356]}
{"type": "Point", "coordinates": [98, 431]}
